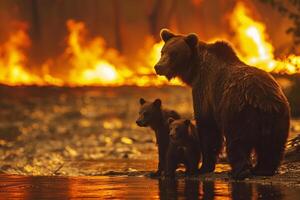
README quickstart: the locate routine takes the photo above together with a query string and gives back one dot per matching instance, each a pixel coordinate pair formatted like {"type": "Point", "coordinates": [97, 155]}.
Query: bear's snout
{"type": "Point", "coordinates": [140, 123]}
{"type": "Point", "coordinates": [173, 135]}
{"type": "Point", "coordinates": [163, 71]}
{"type": "Point", "coordinates": [158, 69]}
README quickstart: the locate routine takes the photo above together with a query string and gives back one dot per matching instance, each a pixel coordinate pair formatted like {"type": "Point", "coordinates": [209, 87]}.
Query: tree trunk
{"type": "Point", "coordinates": [158, 12]}
{"type": "Point", "coordinates": [117, 24]}
{"type": "Point", "coordinates": [35, 21]}
{"type": "Point", "coordinates": [153, 18]}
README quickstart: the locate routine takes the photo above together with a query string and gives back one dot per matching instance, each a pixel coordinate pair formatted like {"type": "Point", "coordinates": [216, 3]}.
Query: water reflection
{"type": "Point", "coordinates": [105, 187]}
{"type": "Point", "coordinates": [214, 190]}
{"type": "Point", "coordinates": [29, 187]}
{"type": "Point", "coordinates": [187, 188]}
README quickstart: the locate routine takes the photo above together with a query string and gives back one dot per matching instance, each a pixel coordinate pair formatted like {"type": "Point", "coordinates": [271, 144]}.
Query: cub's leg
{"type": "Point", "coordinates": [192, 161]}
{"type": "Point", "coordinates": [162, 151]}
{"type": "Point", "coordinates": [171, 160]}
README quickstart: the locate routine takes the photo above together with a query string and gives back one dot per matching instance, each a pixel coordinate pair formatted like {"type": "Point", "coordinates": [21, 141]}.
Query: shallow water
{"type": "Point", "coordinates": [106, 187]}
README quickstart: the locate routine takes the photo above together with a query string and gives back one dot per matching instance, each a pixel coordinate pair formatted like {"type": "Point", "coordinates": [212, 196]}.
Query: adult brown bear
{"type": "Point", "coordinates": [230, 98]}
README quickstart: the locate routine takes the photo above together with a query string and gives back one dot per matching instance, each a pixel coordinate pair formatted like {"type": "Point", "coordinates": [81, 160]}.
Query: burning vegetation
{"type": "Point", "coordinates": [88, 61]}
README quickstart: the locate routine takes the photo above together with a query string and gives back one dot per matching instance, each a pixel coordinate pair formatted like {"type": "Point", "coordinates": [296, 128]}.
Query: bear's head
{"type": "Point", "coordinates": [149, 112]}
{"type": "Point", "coordinates": [179, 130]}
{"type": "Point", "coordinates": [176, 53]}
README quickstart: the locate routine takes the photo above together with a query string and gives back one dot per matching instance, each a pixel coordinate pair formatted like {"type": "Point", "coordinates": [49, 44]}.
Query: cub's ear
{"type": "Point", "coordinates": [187, 122]}
{"type": "Point", "coordinates": [142, 101]}
{"type": "Point", "coordinates": [157, 103]}
{"type": "Point", "coordinates": [170, 120]}
{"type": "Point", "coordinates": [191, 39]}
{"type": "Point", "coordinates": [165, 34]}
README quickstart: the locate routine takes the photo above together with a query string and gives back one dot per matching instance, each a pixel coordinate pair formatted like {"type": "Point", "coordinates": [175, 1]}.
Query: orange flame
{"type": "Point", "coordinates": [253, 46]}
{"type": "Point", "coordinates": [12, 60]}
{"type": "Point", "coordinates": [92, 63]}
{"type": "Point", "coordinates": [89, 62]}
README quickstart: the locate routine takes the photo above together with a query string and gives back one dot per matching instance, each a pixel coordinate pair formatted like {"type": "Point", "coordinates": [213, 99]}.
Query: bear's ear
{"type": "Point", "coordinates": [165, 34]}
{"type": "Point", "coordinates": [191, 39]}
{"type": "Point", "coordinates": [170, 120]}
{"type": "Point", "coordinates": [142, 101]}
{"type": "Point", "coordinates": [157, 103]}
{"type": "Point", "coordinates": [187, 122]}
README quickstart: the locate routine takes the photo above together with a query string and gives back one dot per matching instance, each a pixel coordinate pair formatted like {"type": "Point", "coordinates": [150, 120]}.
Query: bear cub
{"type": "Point", "coordinates": [184, 147]}
{"type": "Point", "coordinates": [151, 114]}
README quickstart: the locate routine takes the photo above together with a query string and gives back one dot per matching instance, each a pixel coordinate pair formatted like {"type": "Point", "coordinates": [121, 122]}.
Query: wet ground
{"type": "Point", "coordinates": [83, 142]}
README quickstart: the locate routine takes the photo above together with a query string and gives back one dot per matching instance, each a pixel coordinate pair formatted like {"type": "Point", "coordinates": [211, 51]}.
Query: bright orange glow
{"type": "Point", "coordinates": [88, 61]}
{"type": "Point", "coordinates": [12, 60]}
{"type": "Point", "coordinates": [152, 54]}
{"type": "Point", "coordinates": [253, 44]}
{"type": "Point", "coordinates": [91, 63]}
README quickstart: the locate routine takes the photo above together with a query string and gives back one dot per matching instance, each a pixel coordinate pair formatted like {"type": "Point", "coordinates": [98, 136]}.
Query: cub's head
{"type": "Point", "coordinates": [175, 54]}
{"type": "Point", "coordinates": [179, 130]}
{"type": "Point", "coordinates": [148, 112]}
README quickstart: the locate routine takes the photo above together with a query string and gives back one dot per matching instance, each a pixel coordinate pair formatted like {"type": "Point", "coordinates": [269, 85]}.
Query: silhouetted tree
{"type": "Point", "coordinates": [160, 17]}
{"type": "Point", "coordinates": [117, 24]}
{"type": "Point", "coordinates": [153, 16]}
{"type": "Point", "coordinates": [35, 20]}
{"type": "Point", "coordinates": [290, 9]}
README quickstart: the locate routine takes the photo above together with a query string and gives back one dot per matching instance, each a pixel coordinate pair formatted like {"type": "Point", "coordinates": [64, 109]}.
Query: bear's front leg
{"type": "Point", "coordinates": [155, 174]}
{"type": "Point", "coordinates": [192, 162]}
{"type": "Point", "coordinates": [162, 151]}
{"type": "Point", "coordinates": [211, 143]}
{"type": "Point", "coordinates": [210, 137]}
{"type": "Point", "coordinates": [171, 161]}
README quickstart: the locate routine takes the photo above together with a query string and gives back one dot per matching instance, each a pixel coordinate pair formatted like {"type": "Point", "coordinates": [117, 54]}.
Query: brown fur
{"type": "Point", "coordinates": [230, 98]}
{"type": "Point", "coordinates": [152, 115]}
{"type": "Point", "coordinates": [183, 147]}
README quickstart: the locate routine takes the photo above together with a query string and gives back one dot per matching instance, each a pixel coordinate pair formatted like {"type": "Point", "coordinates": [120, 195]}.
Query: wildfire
{"type": "Point", "coordinates": [151, 54]}
{"type": "Point", "coordinates": [253, 44]}
{"type": "Point", "coordinates": [90, 62]}
{"type": "Point", "coordinates": [12, 60]}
